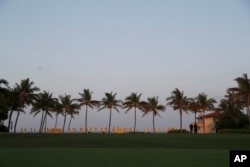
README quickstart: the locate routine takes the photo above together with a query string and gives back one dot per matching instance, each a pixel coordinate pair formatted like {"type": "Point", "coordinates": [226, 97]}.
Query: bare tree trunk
{"type": "Point", "coordinates": [135, 121]}
{"type": "Point", "coordinates": [86, 118]}
{"type": "Point", "coordinates": [110, 119]}
{"type": "Point", "coordinates": [16, 121]}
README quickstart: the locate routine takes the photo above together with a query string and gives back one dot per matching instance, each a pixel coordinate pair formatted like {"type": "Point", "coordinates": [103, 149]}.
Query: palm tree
{"type": "Point", "coordinates": [152, 106]}
{"type": "Point", "coordinates": [179, 102]}
{"type": "Point", "coordinates": [43, 103]}
{"type": "Point", "coordinates": [231, 106]}
{"type": "Point", "coordinates": [26, 95]}
{"type": "Point", "coordinates": [72, 113]}
{"type": "Point", "coordinates": [4, 93]}
{"type": "Point", "coordinates": [110, 102]}
{"type": "Point", "coordinates": [205, 104]}
{"type": "Point", "coordinates": [86, 99]}
{"type": "Point", "coordinates": [132, 101]}
{"type": "Point", "coordinates": [243, 91]}
{"type": "Point", "coordinates": [194, 107]}
{"type": "Point", "coordinates": [67, 106]}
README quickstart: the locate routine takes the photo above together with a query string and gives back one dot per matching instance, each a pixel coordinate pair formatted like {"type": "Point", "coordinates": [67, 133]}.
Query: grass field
{"type": "Point", "coordinates": [133, 150]}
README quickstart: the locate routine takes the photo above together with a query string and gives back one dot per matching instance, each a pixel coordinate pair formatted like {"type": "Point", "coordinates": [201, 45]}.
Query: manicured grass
{"type": "Point", "coordinates": [66, 157]}
{"type": "Point", "coordinates": [133, 150]}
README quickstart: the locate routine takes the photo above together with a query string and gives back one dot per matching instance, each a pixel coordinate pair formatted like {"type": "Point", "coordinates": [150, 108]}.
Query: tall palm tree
{"type": "Point", "coordinates": [86, 99]}
{"type": "Point", "coordinates": [67, 106]}
{"type": "Point", "coordinates": [133, 101]}
{"type": "Point", "coordinates": [243, 91]}
{"type": "Point", "coordinates": [110, 102]}
{"type": "Point", "coordinates": [179, 102]}
{"type": "Point", "coordinates": [43, 103]}
{"type": "Point", "coordinates": [152, 106]}
{"type": "Point", "coordinates": [205, 104]}
{"type": "Point", "coordinates": [26, 94]}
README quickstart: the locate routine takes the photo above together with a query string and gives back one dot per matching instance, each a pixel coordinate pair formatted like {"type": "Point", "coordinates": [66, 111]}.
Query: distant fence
{"type": "Point", "coordinates": [97, 130]}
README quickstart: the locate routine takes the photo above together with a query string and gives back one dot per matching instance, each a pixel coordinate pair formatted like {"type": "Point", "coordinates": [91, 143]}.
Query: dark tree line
{"type": "Point", "coordinates": [21, 95]}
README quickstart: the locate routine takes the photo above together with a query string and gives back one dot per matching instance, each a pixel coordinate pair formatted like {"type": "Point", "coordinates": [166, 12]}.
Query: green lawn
{"type": "Point", "coordinates": [131, 150]}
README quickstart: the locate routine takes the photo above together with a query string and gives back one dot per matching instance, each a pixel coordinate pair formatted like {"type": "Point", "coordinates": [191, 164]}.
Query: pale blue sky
{"type": "Point", "coordinates": [150, 47]}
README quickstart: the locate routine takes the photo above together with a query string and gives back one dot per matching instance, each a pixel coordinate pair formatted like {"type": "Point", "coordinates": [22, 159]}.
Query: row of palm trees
{"type": "Point", "coordinates": [25, 94]}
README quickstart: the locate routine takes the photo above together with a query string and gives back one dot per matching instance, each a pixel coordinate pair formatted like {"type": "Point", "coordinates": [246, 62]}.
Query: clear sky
{"type": "Point", "coordinates": [146, 46]}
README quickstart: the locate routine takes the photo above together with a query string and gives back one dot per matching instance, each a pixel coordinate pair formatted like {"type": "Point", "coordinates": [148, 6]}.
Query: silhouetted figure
{"type": "Point", "coordinates": [195, 128]}
{"type": "Point", "coordinates": [191, 126]}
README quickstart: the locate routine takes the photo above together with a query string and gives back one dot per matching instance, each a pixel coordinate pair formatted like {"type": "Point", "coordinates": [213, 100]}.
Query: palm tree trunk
{"type": "Point", "coordinates": [40, 129]}
{"type": "Point", "coordinates": [44, 117]}
{"type": "Point", "coordinates": [135, 121]}
{"type": "Point", "coordinates": [56, 120]}
{"type": "Point", "coordinates": [11, 112]}
{"type": "Point", "coordinates": [248, 110]}
{"type": "Point", "coordinates": [45, 123]}
{"type": "Point", "coordinates": [69, 122]}
{"type": "Point", "coordinates": [64, 121]}
{"type": "Point", "coordinates": [180, 120]}
{"type": "Point", "coordinates": [203, 121]}
{"type": "Point", "coordinates": [110, 119]}
{"type": "Point", "coordinates": [86, 118]}
{"type": "Point", "coordinates": [195, 117]}
{"type": "Point", "coordinates": [154, 122]}
{"type": "Point", "coordinates": [16, 121]}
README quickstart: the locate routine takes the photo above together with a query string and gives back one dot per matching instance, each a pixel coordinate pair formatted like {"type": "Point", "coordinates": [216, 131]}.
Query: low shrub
{"type": "Point", "coordinates": [3, 128]}
{"type": "Point", "coordinates": [235, 131]}
{"type": "Point", "coordinates": [178, 131]}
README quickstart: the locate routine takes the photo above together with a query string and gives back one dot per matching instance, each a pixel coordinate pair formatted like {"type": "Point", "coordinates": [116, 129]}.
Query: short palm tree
{"type": "Point", "coordinates": [67, 106]}
{"type": "Point", "coordinates": [194, 107]}
{"type": "Point", "coordinates": [152, 106]}
{"type": "Point", "coordinates": [205, 104]}
{"type": "Point", "coordinates": [86, 99]}
{"type": "Point", "coordinates": [110, 102]}
{"type": "Point", "coordinates": [72, 113]}
{"type": "Point", "coordinates": [179, 102]}
{"type": "Point", "coordinates": [26, 95]}
{"type": "Point", "coordinates": [243, 92]}
{"type": "Point", "coordinates": [133, 101]}
{"type": "Point", "coordinates": [43, 103]}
